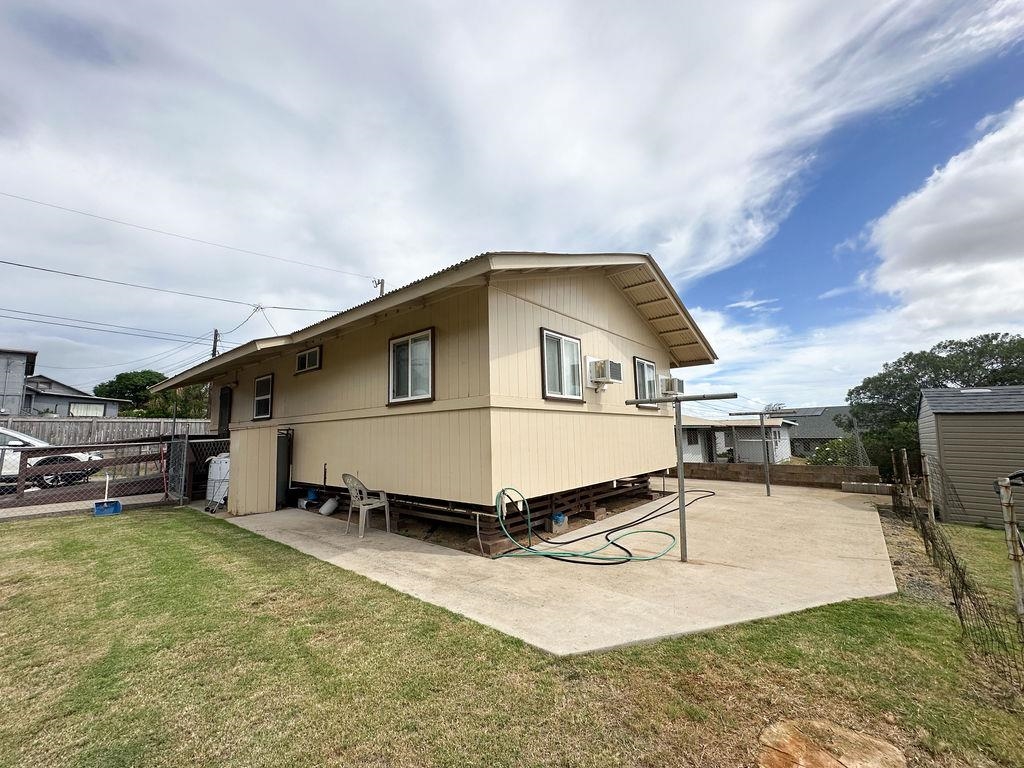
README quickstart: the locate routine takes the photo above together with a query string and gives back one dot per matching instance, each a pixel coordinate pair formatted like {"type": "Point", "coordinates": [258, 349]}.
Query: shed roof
{"type": "Point", "coordinates": [1008, 399]}
{"type": "Point", "coordinates": [636, 275]}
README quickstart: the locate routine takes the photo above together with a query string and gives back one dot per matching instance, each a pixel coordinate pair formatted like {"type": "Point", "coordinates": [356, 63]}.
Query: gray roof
{"type": "Point", "coordinates": [818, 421]}
{"type": "Point", "coordinates": [1008, 399]}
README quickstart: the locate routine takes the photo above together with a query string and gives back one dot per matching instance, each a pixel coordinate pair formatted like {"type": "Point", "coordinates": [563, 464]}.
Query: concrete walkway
{"type": "Point", "coordinates": [750, 557]}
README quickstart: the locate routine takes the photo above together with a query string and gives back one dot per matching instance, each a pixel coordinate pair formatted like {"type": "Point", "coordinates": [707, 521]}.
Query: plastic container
{"type": "Point", "coordinates": [330, 506]}
{"type": "Point", "coordinates": [105, 508]}
{"type": "Point", "coordinates": [558, 518]}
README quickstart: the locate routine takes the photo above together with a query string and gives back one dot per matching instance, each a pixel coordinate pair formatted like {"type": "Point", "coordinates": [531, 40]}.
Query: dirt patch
{"type": "Point", "coordinates": [916, 575]}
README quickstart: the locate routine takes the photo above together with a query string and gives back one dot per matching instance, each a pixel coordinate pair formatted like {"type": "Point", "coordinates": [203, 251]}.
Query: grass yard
{"type": "Point", "coordinates": [983, 551]}
{"type": "Point", "coordinates": [169, 638]}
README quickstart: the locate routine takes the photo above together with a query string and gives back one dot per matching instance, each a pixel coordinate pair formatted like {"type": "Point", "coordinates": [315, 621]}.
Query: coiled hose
{"type": "Point", "coordinates": [612, 536]}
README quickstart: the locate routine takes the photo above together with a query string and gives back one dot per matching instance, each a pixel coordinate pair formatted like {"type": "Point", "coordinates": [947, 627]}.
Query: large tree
{"type": "Point", "coordinates": [891, 396]}
{"type": "Point", "coordinates": [130, 385]}
{"type": "Point", "coordinates": [192, 403]}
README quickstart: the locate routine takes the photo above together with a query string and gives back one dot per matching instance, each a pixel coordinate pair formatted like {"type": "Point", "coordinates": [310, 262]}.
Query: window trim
{"type": "Point", "coordinates": [636, 382]}
{"type": "Point", "coordinates": [391, 368]}
{"type": "Point", "coordinates": [544, 368]}
{"type": "Point", "coordinates": [270, 397]}
{"type": "Point", "coordinates": [319, 348]}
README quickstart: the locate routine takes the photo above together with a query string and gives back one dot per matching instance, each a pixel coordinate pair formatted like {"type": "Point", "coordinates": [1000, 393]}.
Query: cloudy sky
{"type": "Point", "coordinates": [828, 184]}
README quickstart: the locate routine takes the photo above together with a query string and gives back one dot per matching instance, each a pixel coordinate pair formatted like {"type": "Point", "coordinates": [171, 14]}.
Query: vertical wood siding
{"type": "Point", "coordinates": [975, 449]}
{"type": "Point", "coordinates": [928, 436]}
{"type": "Point", "coordinates": [251, 488]}
{"type": "Point", "coordinates": [545, 446]}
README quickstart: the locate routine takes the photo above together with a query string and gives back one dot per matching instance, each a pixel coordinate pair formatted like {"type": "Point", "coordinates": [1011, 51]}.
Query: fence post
{"type": "Point", "coordinates": [929, 500]}
{"type": "Point", "coordinates": [906, 476]}
{"type": "Point", "coordinates": [184, 470]}
{"type": "Point", "coordinates": [1015, 547]}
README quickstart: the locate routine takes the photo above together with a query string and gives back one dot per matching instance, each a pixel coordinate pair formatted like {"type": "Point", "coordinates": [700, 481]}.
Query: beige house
{"type": "Point", "coordinates": [509, 369]}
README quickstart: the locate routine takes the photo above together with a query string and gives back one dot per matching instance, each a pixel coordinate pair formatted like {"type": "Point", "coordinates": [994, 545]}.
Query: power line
{"type": "Point", "coordinates": [183, 237]}
{"type": "Point", "coordinates": [100, 330]}
{"type": "Point", "coordinates": [96, 322]}
{"type": "Point", "coordinates": [159, 290]}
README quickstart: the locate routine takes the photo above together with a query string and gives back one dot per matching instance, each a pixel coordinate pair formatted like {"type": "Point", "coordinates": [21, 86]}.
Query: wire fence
{"type": "Point", "coordinates": [745, 443]}
{"type": "Point", "coordinates": [993, 630]}
{"type": "Point", "coordinates": [59, 479]}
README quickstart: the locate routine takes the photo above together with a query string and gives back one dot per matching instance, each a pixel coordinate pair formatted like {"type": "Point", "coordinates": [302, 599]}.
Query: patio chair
{"type": "Point", "coordinates": [365, 500]}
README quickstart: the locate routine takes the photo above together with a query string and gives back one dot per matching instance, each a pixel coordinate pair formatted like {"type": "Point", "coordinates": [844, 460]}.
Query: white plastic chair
{"type": "Point", "coordinates": [365, 500]}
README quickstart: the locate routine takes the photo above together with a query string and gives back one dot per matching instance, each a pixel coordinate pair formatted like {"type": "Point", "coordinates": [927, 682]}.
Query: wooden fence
{"type": "Point", "coordinates": [77, 431]}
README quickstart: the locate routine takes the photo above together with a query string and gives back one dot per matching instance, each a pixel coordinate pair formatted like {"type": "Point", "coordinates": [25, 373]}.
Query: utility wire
{"type": "Point", "coordinates": [183, 237]}
{"type": "Point", "coordinates": [159, 290]}
{"type": "Point", "coordinates": [183, 336]}
{"type": "Point", "coordinates": [101, 330]}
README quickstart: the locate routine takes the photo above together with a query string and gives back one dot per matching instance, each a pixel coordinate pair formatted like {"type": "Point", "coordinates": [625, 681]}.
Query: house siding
{"type": "Point", "coordinates": [340, 413]}
{"type": "Point", "coordinates": [546, 446]}
{"type": "Point", "coordinates": [974, 449]}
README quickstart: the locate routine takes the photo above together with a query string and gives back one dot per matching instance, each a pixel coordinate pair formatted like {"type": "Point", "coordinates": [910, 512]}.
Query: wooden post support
{"type": "Point", "coordinates": [929, 498]}
{"type": "Point", "coordinates": [1015, 547]}
{"type": "Point", "coordinates": [906, 475]}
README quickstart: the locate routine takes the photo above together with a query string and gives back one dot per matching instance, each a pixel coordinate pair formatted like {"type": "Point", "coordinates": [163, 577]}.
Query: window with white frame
{"type": "Point", "coordinates": [263, 397]}
{"type": "Point", "coordinates": [86, 409]}
{"type": "Point", "coordinates": [561, 364]}
{"type": "Point", "coordinates": [411, 368]}
{"type": "Point", "coordinates": [692, 437]}
{"type": "Point", "coordinates": [646, 376]}
{"type": "Point", "coordinates": [308, 360]}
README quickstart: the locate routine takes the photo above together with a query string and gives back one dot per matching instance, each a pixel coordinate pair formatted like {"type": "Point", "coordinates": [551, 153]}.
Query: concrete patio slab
{"type": "Point", "coordinates": [750, 557]}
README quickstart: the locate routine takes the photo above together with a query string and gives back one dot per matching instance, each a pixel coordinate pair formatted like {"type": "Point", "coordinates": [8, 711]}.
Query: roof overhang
{"type": "Point", "coordinates": [637, 276]}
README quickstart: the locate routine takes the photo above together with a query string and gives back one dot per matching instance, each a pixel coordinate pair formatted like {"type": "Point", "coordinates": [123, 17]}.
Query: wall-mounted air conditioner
{"type": "Point", "coordinates": [603, 372]}
{"type": "Point", "coordinates": [671, 386]}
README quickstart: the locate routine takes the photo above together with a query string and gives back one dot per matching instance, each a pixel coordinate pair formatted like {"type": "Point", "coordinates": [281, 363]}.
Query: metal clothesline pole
{"type": "Point", "coordinates": [678, 400]}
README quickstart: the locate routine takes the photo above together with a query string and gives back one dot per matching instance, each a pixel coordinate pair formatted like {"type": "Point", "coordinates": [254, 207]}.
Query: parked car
{"type": "Point", "coordinates": [12, 442]}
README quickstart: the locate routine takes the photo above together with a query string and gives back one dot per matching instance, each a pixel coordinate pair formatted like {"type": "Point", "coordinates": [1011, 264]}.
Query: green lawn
{"type": "Point", "coordinates": [983, 551]}
{"type": "Point", "coordinates": [169, 638]}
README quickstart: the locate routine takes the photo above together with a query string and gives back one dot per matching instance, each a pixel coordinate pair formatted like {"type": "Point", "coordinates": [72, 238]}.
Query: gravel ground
{"type": "Point", "coordinates": [916, 575]}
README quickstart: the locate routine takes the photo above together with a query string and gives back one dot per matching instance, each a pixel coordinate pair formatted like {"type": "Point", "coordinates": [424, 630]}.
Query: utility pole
{"type": "Point", "coordinates": [378, 282]}
{"type": "Point", "coordinates": [216, 338]}
{"type": "Point", "coordinates": [678, 400]}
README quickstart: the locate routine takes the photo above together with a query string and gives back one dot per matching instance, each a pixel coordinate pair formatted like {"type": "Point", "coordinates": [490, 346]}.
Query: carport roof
{"type": "Point", "coordinates": [636, 275]}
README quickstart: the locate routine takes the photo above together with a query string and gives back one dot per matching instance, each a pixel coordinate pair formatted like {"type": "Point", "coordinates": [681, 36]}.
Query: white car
{"type": "Point", "coordinates": [12, 442]}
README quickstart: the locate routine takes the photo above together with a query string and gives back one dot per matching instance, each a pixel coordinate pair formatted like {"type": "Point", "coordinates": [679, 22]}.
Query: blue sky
{"type": "Point", "coordinates": [859, 172]}
{"type": "Point", "coordinates": [739, 143]}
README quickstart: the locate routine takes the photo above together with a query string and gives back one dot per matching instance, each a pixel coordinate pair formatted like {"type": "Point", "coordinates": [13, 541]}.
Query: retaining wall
{"type": "Point", "coordinates": [783, 474]}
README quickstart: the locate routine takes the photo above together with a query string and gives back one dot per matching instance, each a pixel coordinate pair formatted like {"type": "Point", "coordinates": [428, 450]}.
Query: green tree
{"type": "Point", "coordinates": [130, 385]}
{"type": "Point", "coordinates": [192, 403]}
{"type": "Point", "coordinates": [884, 406]}
{"type": "Point", "coordinates": [891, 396]}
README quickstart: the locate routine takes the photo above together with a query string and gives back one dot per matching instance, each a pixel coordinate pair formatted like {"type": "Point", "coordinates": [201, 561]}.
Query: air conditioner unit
{"type": "Point", "coordinates": [602, 372]}
{"type": "Point", "coordinates": [671, 386]}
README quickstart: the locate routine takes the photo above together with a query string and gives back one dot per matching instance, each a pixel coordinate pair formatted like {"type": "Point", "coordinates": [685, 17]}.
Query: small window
{"type": "Point", "coordinates": [263, 396]}
{"type": "Point", "coordinates": [308, 360]}
{"type": "Point", "coordinates": [646, 377]}
{"type": "Point", "coordinates": [86, 409]}
{"type": "Point", "coordinates": [561, 366]}
{"type": "Point", "coordinates": [411, 369]}
{"type": "Point", "coordinates": [692, 438]}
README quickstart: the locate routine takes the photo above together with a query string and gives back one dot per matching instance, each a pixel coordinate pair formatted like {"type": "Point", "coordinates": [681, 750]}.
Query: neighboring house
{"type": "Point", "coordinates": [816, 426]}
{"type": "Point", "coordinates": [45, 395]}
{"type": "Point", "coordinates": [15, 366]}
{"type": "Point", "coordinates": [970, 437]}
{"type": "Point", "coordinates": [706, 438]}
{"type": "Point", "coordinates": [477, 377]}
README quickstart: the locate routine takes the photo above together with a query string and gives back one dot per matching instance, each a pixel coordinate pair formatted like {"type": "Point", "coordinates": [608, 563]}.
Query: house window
{"type": "Point", "coordinates": [411, 370]}
{"type": "Point", "coordinates": [263, 396]}
{"type": "Point", "coordinates": [777, 437]}
{"type": "Point", "coordinates": [646, 377]}
{"type": "Point", "coordinates": [692, 438]}
{"type": "Point", "coordinates": [86, 409]}
{"type": "Point", "coordinates": [561, 366]}
{"type": "Point", "coordinates": [308, 360]}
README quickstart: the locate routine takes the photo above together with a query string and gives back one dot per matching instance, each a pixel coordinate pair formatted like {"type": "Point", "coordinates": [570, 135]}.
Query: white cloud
{"type": "Point", "coordinates": [396, 143]}
{"type": "Point", "coordinates": [949, 255]}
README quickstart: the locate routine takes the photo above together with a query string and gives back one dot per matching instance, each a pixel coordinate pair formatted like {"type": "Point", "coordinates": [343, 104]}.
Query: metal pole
{"type": "Point", "coordinates": [682, 484]}
{"type": "Point", "coordinates": [184, 469]}
{"type": "Point", "coordinates": [764, 453]}
{"type": "Point", "coordinates": [1015, 547]}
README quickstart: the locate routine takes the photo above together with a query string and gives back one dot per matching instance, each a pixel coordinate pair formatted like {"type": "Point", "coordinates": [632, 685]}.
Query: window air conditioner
{"type": "Point", "coordinates": [671, 386]}
{"type": "Point", "coordinates": [605, 372]}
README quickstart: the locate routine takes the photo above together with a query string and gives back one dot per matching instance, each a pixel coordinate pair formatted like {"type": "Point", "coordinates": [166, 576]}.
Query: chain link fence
{"type": "Point", "coordinates": [995, 631]}
{"type": "Point", "coordinates": [744, 443]}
